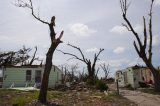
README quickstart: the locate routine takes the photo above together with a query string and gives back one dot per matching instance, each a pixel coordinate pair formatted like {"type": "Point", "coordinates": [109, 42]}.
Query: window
{"type": "Point", "coordinates": [28, 75]}
{"type": "Point", "coordinates": [38, 76]}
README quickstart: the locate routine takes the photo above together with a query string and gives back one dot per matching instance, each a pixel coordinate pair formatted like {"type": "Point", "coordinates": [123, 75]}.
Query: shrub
{"type": "Point", "coordinates": [101, 85]}
{"type": "Point", "coordinates": [143, 85]}
{"type": "Point", "coordinates": [128, 86]}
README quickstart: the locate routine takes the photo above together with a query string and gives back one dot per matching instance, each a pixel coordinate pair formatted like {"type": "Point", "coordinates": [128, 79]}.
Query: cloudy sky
{"type": "Point", "coordinates": [88, 24]}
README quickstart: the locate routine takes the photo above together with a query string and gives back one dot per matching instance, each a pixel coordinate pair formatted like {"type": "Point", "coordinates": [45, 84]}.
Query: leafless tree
{"type": "Point", "coordinates": [54, 43]}
{"type": "Point", "coordinates": [64, 69]}
{"type": "Point", "coordinates": [96, 73]}
{"type": "Point", "coordinates": [73, 71]}
{"type": "Point", "coordinates": [34, 57]}
{"type": "Point", "coordinates": [23, 54]}
{"type": "Point", "coordinates": [90, 65]}
{"type": "Point", "coordinates": [82, 75]}
{"type": "Point", "coordinates": [106, 70]}
{"type": "Point", "coordinates": [143, 49]}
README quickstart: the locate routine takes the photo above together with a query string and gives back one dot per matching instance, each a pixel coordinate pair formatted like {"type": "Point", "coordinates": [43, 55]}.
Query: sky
{"type": "Point", "coordinates": [88, 24]}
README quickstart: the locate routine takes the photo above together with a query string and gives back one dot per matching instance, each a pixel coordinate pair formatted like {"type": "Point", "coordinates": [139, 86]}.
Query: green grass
{"type": "Point", "coordinates": [19, 101]}
{"type": "Point", "coordinates": [55, 94]}
{"type": "Point", "coordinates": [20, 98]}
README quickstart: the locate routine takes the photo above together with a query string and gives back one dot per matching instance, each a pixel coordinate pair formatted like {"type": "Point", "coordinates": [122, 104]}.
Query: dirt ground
{"type": "Point", "coordinates": [140, 98]}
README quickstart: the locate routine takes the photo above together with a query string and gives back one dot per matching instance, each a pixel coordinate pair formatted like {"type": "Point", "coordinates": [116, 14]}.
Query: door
{"type": "Point", "coordinates": [38, 76]}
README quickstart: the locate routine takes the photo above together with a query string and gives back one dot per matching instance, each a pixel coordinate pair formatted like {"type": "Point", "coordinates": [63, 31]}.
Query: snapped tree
{"type": "Point", "coordinates": [54, 43]}
{"type": "Point", "coordinates": [90, 65]}
{"type": "Point", "coordinates": [143, 49]}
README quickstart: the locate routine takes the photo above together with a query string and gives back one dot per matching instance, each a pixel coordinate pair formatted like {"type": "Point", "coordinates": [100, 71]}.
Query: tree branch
{"type": "Point", "coordinates": [79, 51]}
{"type": "Point", "coordinates": [30, 6]}
{"type": "Point", "coordinates": [96, 57]}
{"type": "Point", "coordinates": [150, 33]}
{"type": "Point", "coordinates": [124, 7]}
{"type": "Point", "coordinates": [76, 57]}
{"type": "Point", "coordinates": [145, 33]}
{"type": "Point", "coordinates": [33, 58]}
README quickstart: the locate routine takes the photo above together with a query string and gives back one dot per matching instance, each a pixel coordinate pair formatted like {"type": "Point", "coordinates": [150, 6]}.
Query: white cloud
{"type": "Point", "coordinates": [155, 40]}
{"type": "Point", "coordinates": [92, 50]}
{"type": "Point", "coordinates": [81, 29]}
{"type": "Point", "coordinates": [136, 61]}
{"type": "Point", "coordinates": [117, 63]}
{"type": "Point", "coordinates": [122, 30]}
{"type": "Point", "coordinates": [119, 29]}
{"type": "Point", "coordinates": [119, 50]}
{"type": "Point", "coordinates": [138, 28]}
{"type": "Point", "coordinates": [157, 2]}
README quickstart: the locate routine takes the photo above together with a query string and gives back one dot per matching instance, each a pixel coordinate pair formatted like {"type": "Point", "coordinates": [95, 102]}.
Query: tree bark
{"type": "Point", "coordinates": [142, 47]}
{"type": "Point", "coordinates": [43, 91]}
{"type": "Point", "coordinates": [54, 43]}
{"type": "Point", "coordinates": [156, 75]}
{"type": "Point", "coordinates": [91, 73]}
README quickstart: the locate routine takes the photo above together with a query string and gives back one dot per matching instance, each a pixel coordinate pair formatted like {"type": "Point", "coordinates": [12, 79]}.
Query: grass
{"type": "Point", "coordinates": [150, 91]}
{"type": "Point", "coordinates": [68, 98]}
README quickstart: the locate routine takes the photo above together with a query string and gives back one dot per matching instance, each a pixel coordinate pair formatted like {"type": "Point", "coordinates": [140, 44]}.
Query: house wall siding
{"type": "Point", "coordinates": [18, 77]}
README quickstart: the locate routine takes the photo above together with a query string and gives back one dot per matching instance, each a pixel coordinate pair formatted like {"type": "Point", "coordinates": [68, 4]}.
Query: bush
{"type": "Point", "coordinates": [143, 85]}
{"type": "Point", "coordinates": [101, 85]}
{"type": "Point", "coordinates": [90, 82]}
{"type": "Point", "coordinates": [128, 86]}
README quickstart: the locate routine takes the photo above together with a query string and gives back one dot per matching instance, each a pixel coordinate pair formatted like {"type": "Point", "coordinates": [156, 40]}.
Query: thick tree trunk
{"type": "Point", "coordinates": [157, 81]}
{"type": "Point", "coordinates": [90, 75]}
{"type": "Point", "coordinates": [156, 75]}
{"type": "Point", "coordinates": [44, 84]}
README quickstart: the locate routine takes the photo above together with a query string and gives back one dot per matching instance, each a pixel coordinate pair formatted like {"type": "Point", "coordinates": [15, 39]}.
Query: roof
{"type": "Point", "coordinates": [28, 66]}
{"type": "Point", "coordinates": [137, 67]}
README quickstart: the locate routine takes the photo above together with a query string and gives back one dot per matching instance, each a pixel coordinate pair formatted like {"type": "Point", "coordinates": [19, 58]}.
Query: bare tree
{"type": "Point", "coordinates": [73, 71]}
{"type": "Point", "coordinates": [90, 65]}
{"type": "Point", "coordinates": [143, 49]}
{"type": "Point", "coordinates": [82, 75]}
{"type": "Point", "coordinates": [23, 54]}
{"type": "Point", "coordinates": [54, 43]}
{"type": "Point", "coordinates": [34, 57]}
{"type": "Point", "coordinates": [96, 73]}
{"type": "Point", "coordinates": [64, 69]}
{"type": "Point", "coordinates": [106, 70]}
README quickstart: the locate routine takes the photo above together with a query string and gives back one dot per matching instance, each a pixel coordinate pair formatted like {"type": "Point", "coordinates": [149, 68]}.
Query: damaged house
{"type": "Point", "coordinates": [133, 76]}
{"type": "Point", "coordinates": [26, 76]}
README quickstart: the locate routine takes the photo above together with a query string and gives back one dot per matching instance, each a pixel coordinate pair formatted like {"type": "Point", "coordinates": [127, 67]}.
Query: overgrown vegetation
{"type": "Point", "coordinates": [101, 85]}
{"type": "Point", "coordinates": [129, 87]}
{"type": "Point", "coordinates": [67, 98]}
